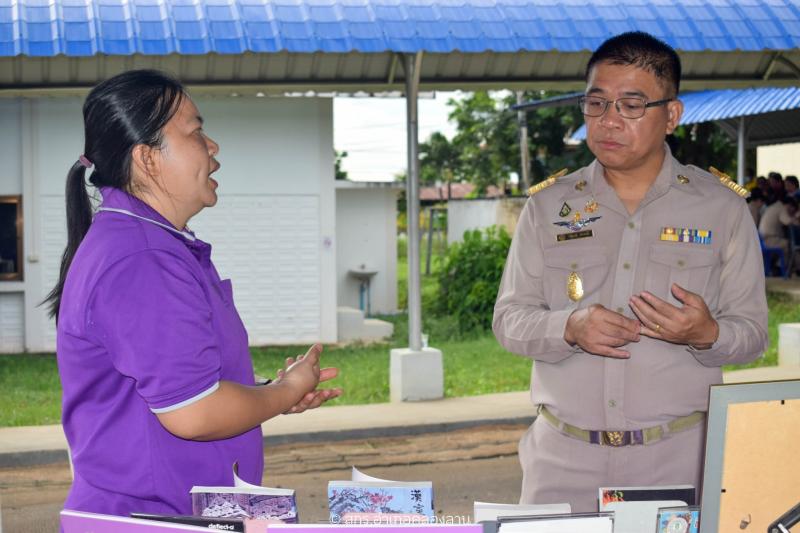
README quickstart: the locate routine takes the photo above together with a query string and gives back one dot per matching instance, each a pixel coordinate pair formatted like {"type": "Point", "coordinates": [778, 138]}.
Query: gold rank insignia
{"type": "Point", "coordinates": [729, 183]}
{"type": "Point", "coordinates": [551, 179]}
{"type": "Point", "coordinates": [580, 185]}
{"type": "Point", "coordinates": [683, 179]}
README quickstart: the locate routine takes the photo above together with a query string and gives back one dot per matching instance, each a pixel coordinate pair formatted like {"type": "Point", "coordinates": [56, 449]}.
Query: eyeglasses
{"type": "Point", "coordinates": [628, 107]}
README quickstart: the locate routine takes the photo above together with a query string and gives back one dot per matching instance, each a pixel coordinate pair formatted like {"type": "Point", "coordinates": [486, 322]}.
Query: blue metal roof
{"type": "Point", "coordinates": [730, 104]}
{"type": "Point", "coordinates": [160, 27]}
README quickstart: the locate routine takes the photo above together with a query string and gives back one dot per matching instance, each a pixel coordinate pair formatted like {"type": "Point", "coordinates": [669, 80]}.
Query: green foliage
{"type": "Point", "coordinates": [705, 145]}
{"type": "Point", "coordinates": [470, 276]}
{"type": "Point", "coordinates": [485, 149]}
{"type": "Point", "coordinates": [339, 172]}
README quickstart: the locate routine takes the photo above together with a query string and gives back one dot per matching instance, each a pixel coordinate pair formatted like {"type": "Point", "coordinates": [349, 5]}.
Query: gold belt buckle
{"type": "Point", "coordinates": [612, 438]}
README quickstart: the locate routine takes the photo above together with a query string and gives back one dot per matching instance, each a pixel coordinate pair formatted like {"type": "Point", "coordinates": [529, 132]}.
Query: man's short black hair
{"type": "Point", "coordinates": [644, 51]}
{"type": "Point", "coordinates": [793, 180]}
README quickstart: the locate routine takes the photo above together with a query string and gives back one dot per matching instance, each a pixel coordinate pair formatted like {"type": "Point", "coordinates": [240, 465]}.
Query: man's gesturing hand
{"type": "Point", "coordinates": [690, 324]}
{"type": "Point", "coordinates": [600, 331]}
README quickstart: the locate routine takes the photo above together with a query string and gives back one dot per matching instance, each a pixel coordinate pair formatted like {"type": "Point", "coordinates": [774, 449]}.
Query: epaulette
{"type": "Point", "coordinates": [729, 183]}
{"type": "Point", "coordinates": [542, 185]}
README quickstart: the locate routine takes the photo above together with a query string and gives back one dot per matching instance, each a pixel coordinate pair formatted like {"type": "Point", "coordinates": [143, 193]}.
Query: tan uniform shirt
{"type": "Point", "coordinates": [774, 221]}
{"type": "Point", "coordinates": [623, 256]}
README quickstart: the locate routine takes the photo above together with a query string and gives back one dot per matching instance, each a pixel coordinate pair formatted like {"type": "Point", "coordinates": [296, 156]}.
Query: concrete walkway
{"type": "Point", "coordinates": [34, 445]}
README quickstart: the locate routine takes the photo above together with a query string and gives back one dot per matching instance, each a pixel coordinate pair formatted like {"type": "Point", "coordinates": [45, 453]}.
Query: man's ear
{"type": "Point", "coordinates": [144, 161]}
{"type": "Point", "coordinates": [674, 113]}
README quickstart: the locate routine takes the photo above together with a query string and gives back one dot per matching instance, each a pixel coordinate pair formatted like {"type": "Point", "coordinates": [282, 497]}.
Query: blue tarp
{"type": "Point", "coordinates": [714, 105]}
{"type": "Point", "coordinates": [160, 27]}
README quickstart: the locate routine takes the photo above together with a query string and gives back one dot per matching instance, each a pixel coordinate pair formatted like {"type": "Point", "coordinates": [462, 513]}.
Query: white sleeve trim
{"type": "Point", "coordinates": [184, 403]}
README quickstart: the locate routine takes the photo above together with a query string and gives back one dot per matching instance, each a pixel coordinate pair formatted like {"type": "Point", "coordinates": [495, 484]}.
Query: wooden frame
{"type": "Point", "coordinates": [751, 467]}
{"type": "Point", "coordinates": [18, 274]}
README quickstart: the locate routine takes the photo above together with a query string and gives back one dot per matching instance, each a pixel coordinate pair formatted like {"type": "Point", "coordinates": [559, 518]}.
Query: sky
{"type": "Point", "coordinates": [373, 132]}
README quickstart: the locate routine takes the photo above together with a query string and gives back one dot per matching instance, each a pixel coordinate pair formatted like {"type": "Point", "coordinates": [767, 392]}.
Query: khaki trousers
{"type": "Point", "coordinates": [557, 468]}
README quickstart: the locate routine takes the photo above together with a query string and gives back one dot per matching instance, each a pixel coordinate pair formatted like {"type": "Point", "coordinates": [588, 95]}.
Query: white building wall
{"type": "Point", "coordinates": [272, 230]}
{"type": "Point", "coordinates": [366, 226]}
{"type": "Point", "coordinates": [12, 308]}
{"type": "Point", "coordinates": [783, 158]}
{"type": "Point", "coordinates": [463, 215]}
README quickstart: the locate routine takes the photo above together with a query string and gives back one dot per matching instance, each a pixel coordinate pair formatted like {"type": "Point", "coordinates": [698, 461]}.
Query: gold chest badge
{"type": "Point", "coordinates": [574, 287]}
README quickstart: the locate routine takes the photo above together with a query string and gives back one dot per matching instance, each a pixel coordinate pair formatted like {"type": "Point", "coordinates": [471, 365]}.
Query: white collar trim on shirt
{"type": "Point", "coordinates": [184, 234]}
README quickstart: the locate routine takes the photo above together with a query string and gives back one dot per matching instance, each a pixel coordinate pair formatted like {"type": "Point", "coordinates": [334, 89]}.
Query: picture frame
{"type": "Point", "coordinates": [750, 459]}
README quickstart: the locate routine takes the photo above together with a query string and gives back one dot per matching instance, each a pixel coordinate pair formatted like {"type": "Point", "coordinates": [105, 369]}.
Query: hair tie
{"type": "Point", "coordinates": [85, 161]}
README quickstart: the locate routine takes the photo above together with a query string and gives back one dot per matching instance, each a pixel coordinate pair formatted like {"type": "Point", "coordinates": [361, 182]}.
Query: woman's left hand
{"type": "Point", "coordinates": [317, 397]}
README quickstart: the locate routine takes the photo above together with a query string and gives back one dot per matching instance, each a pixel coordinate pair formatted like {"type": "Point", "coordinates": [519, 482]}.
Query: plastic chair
{"type": "Point", "coordinates": [770, 253]}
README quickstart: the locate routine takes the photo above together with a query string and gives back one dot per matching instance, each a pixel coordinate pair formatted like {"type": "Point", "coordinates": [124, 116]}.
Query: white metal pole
{"type": "Point", "coordinates": [524, 156]}
{"type": "Point", "coordinates": [740, 158]}
{"type": "Point", "coordinates": [412, 204]}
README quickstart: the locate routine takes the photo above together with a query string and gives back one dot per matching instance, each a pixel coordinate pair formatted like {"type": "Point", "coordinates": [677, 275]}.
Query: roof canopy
{"type": "Point", "coordinates": [346, 45]}
{"type": "Point", "coordinates": [771, 115]}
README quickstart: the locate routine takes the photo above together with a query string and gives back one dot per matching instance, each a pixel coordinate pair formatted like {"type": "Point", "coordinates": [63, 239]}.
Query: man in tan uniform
{"type": "Point", "coordinates": [629, 282]}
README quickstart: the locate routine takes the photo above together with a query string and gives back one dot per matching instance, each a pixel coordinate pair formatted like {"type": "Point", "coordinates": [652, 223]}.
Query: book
{"type": "Point", "coordinates": [218, 524]}
{"type": "Point", "coordinates": [369, 500]}
{"type": "Point", "coordinates": [684, 519]}
{"type": "Point", "coordinates": [555, 523]}
{"type": "Point", "coordinates": [81, 522]}
{"type": "Point", "coordinates": [682, 493]}
{"type": "Point", "coordinates": [638, 517]}
{"type": "Point", "coordinates": [490, 512]}
{"type": "Point", "coordinates": [245, 500]}
{"type": "Point", "coordinates": [381, 528]}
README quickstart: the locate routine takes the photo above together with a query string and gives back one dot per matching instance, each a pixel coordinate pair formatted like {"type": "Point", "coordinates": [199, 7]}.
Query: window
{"type": "Point", "coordinates": [10, 238]}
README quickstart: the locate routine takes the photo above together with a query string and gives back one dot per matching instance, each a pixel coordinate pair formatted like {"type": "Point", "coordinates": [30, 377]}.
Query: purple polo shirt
{"type": "Point", "coordinates": [146, 325]}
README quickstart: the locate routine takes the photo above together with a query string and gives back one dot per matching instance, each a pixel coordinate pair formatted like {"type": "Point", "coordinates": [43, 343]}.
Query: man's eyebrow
{"type": "Point", "coordinates": [595, 90]}
{"type": "Point", "coordinates": [635, 93]}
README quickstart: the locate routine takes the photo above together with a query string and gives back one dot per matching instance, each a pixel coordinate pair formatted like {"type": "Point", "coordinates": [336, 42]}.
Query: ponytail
{"type": "Point", "coordinates": [79, 217]}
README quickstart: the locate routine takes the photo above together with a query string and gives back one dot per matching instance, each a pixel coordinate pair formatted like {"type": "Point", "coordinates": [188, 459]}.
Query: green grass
{"type": "Point", "coordinates": [782, 310]}
{"type": "Point", "coordinates": [31, 392]}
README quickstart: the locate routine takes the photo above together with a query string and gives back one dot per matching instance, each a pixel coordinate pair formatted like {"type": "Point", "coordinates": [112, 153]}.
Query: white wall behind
{"type": "Point", "coordinates": [366, 231]}
{"type": "Point", "coordinates": [466, 215]}
{"type": "Point", "coordinates": [272, 230]}
{"type": "Point", "coordinates": [783, 158]}
{"type": "Point", "coordinates": [11, 127]}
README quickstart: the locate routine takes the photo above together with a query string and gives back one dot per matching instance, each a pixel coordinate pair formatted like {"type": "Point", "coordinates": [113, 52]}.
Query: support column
{"type": "Point", "coordinates": [416, 372]}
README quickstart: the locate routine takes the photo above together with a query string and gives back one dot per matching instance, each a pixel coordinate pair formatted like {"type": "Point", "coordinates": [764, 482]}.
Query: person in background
{"type": "Point", "coordinates": [630, 282]}
{"type": "Point", "coordinates": [756, 204]}
{"type": "Point", "coordinates": [775, 222]}
{"type": "Point", "coordinates": [159, 392]}
{"type": "Point", "coordinates": [792, 186]}
{"type": "Point", "coordinates": [776, 188]}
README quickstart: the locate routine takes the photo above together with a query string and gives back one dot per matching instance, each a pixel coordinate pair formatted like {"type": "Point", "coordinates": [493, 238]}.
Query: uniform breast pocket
{"type": "Point", "coordinates": [688, 266]}
{"type": "Point", "coordinates": [574, 277]}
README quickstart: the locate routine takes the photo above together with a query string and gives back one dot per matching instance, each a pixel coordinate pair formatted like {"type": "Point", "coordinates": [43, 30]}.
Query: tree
{"type": "Point", "coordinates": [339, 172]}
{"type": "Point", "coordinates": [485, 149]}
{"type": "Point", "coordinates": [705, 145]}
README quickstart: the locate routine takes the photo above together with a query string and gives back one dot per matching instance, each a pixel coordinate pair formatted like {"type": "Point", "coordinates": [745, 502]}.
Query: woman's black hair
{"type": "Point", "coordinates": [129, 109]}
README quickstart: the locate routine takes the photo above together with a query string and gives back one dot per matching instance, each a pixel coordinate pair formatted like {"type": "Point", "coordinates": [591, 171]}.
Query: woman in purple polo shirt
{"type": "Point", "coordinates": [159, 392]}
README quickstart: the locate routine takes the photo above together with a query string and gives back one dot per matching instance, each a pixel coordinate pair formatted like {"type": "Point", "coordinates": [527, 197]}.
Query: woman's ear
{"type": "Point", "coordinates": [144, 161]}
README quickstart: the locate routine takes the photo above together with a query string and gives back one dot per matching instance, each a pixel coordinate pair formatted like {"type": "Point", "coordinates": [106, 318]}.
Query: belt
{"type": "Point", "coordinates": [624, 438]}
